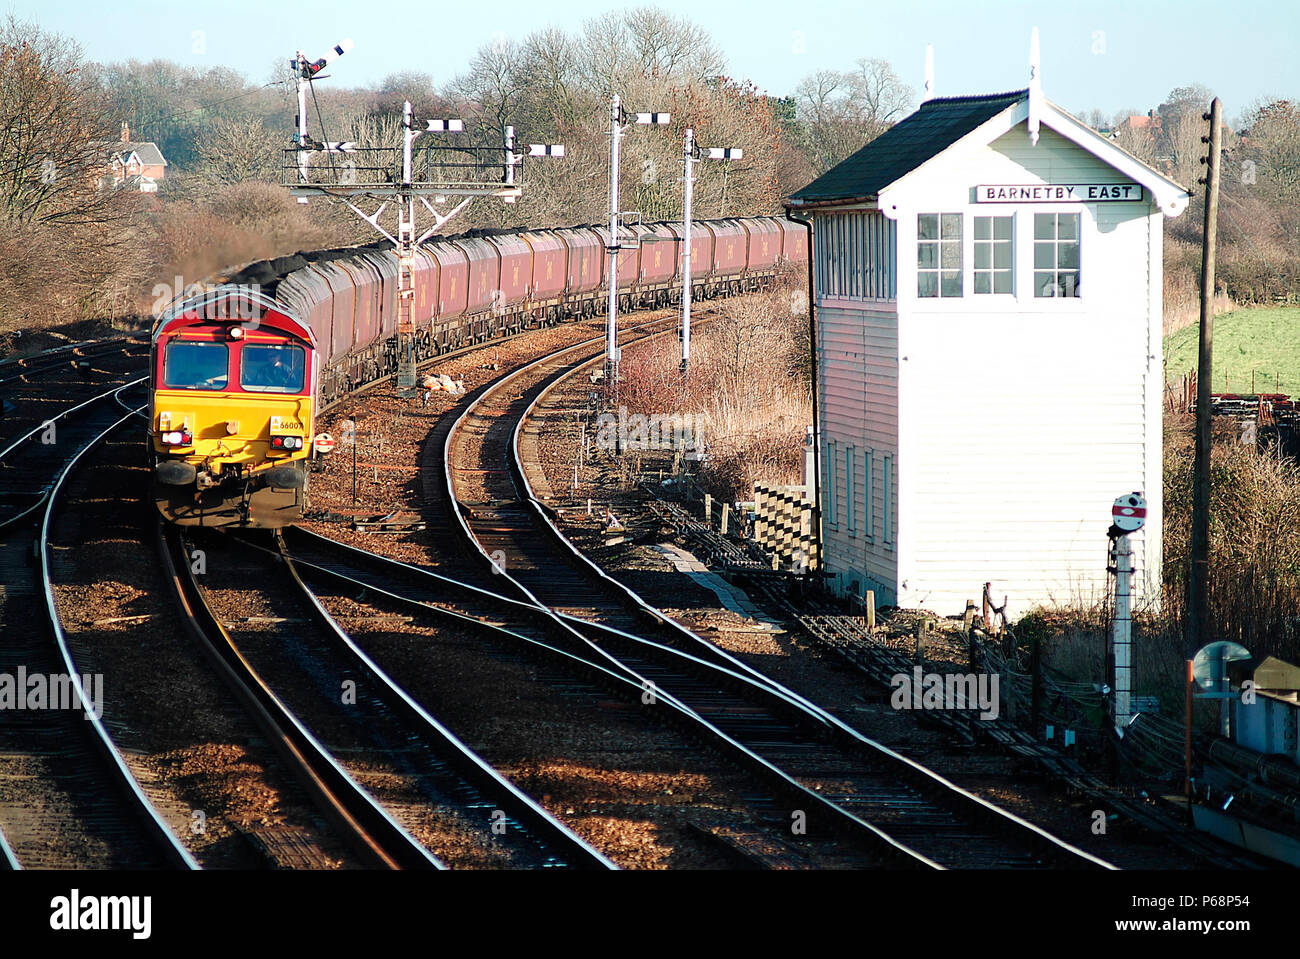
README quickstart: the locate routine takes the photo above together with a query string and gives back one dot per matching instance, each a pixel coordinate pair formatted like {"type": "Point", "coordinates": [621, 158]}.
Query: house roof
{"type": "Point", "coordinates": [937, 125]}
{"type": "Point", "coordinates": [147, 151]}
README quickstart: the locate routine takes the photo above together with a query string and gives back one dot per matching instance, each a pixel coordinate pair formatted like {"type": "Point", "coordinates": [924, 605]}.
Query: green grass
{"type": "Point", "coordinates": [1265, 340]}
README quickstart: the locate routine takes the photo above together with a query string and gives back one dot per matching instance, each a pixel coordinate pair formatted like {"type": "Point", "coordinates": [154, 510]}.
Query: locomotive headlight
{"type": "Point", "coordinates": [286, 443]}
{"type": "Point", "coordinates": [176, 438]}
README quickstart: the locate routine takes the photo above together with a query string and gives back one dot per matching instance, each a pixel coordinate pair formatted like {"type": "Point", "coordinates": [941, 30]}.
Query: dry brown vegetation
{"type": "Point", "coordinates": [1254, 569]}
{"type": "Point", "coordinates": [1254, 539]}
{"type": "Point", "coordinates": [749, 377]}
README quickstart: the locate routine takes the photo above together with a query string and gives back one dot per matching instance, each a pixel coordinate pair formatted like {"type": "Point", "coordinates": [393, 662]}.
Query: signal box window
{"type": "Point", "coordinates": [993, 254]}
{"type": "Point", "coordinates": [938, 254]}
{"type": "Point", "coordinates": [273, 369]}
{"type": "Point", "coordinates": [1056, 254]}
{"type": "Point", "coordinates": [193, 365]}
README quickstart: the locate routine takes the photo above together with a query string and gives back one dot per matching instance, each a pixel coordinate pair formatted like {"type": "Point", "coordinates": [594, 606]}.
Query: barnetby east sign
{"type": "Point", "coordinates": [1057, 192]}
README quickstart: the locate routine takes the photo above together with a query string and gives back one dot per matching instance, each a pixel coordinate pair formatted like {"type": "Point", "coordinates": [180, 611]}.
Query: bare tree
{"type": "Point", "coordinates": [554, 91]}
{"type": "Point", "coordinates": [647, 43]}
{"type": "Point", "coordinates": [1272, 144]}
{"type": "Point", "coordinates": [840, 112]}
{"type": "Point", "coordinates": [1181, 127]}
{"type": "Point", "coordinates": [877, 95]}
{"type": "Point", "coordinates": [53, 131]}
{"type": "Point", "coordinates": [494, 85]}
{"type": "Point", "coordinates": [239, 150]}
{"type": "Point", "coordinates": [671, 47]}
{"type": "Point", "coordinates": [57, 207]}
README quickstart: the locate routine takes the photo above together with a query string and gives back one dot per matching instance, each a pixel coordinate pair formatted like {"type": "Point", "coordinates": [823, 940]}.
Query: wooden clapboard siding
{"type": "Point", "coordinates": [858, 386]}
{"type": "Point", "coordinates": [1022, 419]}
{"type": "Point", "coordinates": [1053, 160]}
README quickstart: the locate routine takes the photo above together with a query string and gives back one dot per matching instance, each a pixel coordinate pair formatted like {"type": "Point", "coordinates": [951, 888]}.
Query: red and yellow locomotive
{"type": "Point", "coordinates": [233, 377]}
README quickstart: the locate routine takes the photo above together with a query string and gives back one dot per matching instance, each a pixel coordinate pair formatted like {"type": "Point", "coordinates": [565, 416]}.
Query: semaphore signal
{"type": "Point", "coordinates": [690, 156]}
{"type": "Point", "coordinates": [390, 175]}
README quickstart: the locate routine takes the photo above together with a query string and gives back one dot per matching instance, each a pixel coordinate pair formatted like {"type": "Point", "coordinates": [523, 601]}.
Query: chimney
{"type": "Point", "coordinates": [126, 132]}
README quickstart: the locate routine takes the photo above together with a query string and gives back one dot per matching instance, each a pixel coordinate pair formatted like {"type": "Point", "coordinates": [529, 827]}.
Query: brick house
{"type": "Point", "coordinates": [135, 165]}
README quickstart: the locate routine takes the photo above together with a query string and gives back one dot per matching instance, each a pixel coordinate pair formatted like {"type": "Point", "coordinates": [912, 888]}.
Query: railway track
{"type": "Point", "coordinates": [844, 636]}
{"type": "Point", "coordinates": [392, 756]}
{"type": "Point", "coordinates": [421, 591]}
{"type": "Point", "coordinates": [34, 389]}
{"type": "Point", "coordinates": [30, 464]}
{"type": "Point", "coordinates": [536, 838]}
{"type": "Point", "coordinates": [63, 827]}
{"type": "Point", "coordinates": [366, 826]}
{"type": "Point", "coordinates": [70, 356]}
{"type": "Point", "coordinates": [795, 747]}
{"type": "Point", "coordinates": [75, 801]}
{"type": "Point", "coordinates": [857, 783]}
{"type": "Point", "coordinates": [554, 642]}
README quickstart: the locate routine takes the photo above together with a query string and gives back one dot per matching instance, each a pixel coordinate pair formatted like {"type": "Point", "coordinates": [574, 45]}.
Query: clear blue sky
{"type": "Point", "coordinates": [1105, 54]}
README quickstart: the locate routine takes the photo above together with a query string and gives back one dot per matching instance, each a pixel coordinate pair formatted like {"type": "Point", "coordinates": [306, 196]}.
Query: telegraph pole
{"type": "Point", "coordinates": [1199, 598]}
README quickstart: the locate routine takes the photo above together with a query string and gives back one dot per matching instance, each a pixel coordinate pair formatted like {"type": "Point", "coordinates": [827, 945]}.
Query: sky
{"type": "Point", "coordinates": [1104, 54]}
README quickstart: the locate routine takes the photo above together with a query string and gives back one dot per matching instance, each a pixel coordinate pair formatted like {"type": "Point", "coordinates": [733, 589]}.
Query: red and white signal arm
{"type": "Point", "coordinates": [1129, 512]}
{"type": "Point", "coordinates": [323, 443]}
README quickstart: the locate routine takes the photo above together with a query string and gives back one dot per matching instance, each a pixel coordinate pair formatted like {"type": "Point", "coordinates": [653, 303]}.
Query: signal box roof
{"type": "Point", "coordinates": [940, 123]}
{"type": "Point", "coordinates": [937, 125]}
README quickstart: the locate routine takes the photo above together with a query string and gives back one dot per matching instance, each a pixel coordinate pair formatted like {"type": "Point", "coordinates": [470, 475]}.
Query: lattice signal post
{"type": "Point", "coordinates": [398, 176]}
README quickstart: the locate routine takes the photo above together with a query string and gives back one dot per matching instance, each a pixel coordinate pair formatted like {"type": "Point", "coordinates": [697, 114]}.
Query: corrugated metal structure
{"type": "Point", "coordinates": [988, 321]}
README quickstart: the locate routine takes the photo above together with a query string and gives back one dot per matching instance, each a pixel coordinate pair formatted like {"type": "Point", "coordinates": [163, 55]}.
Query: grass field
{"type": "Point", "coordinates": [1265, 340]}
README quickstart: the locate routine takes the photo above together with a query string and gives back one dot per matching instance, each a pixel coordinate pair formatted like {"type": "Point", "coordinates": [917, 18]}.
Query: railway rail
{"type": "Point", "coordinates": [63, 357]}
{"type": "Point", "coordinates": [367, 827]}
{"type": "Point", "coordinates": [769, 728]}
{"type": "Point", "coordinates": [891, 809]}
{"type": "Point", "coordinates": [536, 836]}
{"type": "Point", "coordinates": [554, 641]}
{"type": "Point", "coordinates": [845, 637]}
{"type": "Point", "coordinates": [458, 798]}
{"type": "Point", "coordinates": [33, 472]}
{"type": "Point", "coordinates": [42, 450]}
{"type": "Point", "coordinates": [70, 767]}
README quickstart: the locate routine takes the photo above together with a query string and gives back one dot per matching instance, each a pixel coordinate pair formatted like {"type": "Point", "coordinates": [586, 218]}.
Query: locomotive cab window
{"type": "Point", "coordinates": [273, 368]}
{"type": "Point", "coordinates": [196, 365]}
